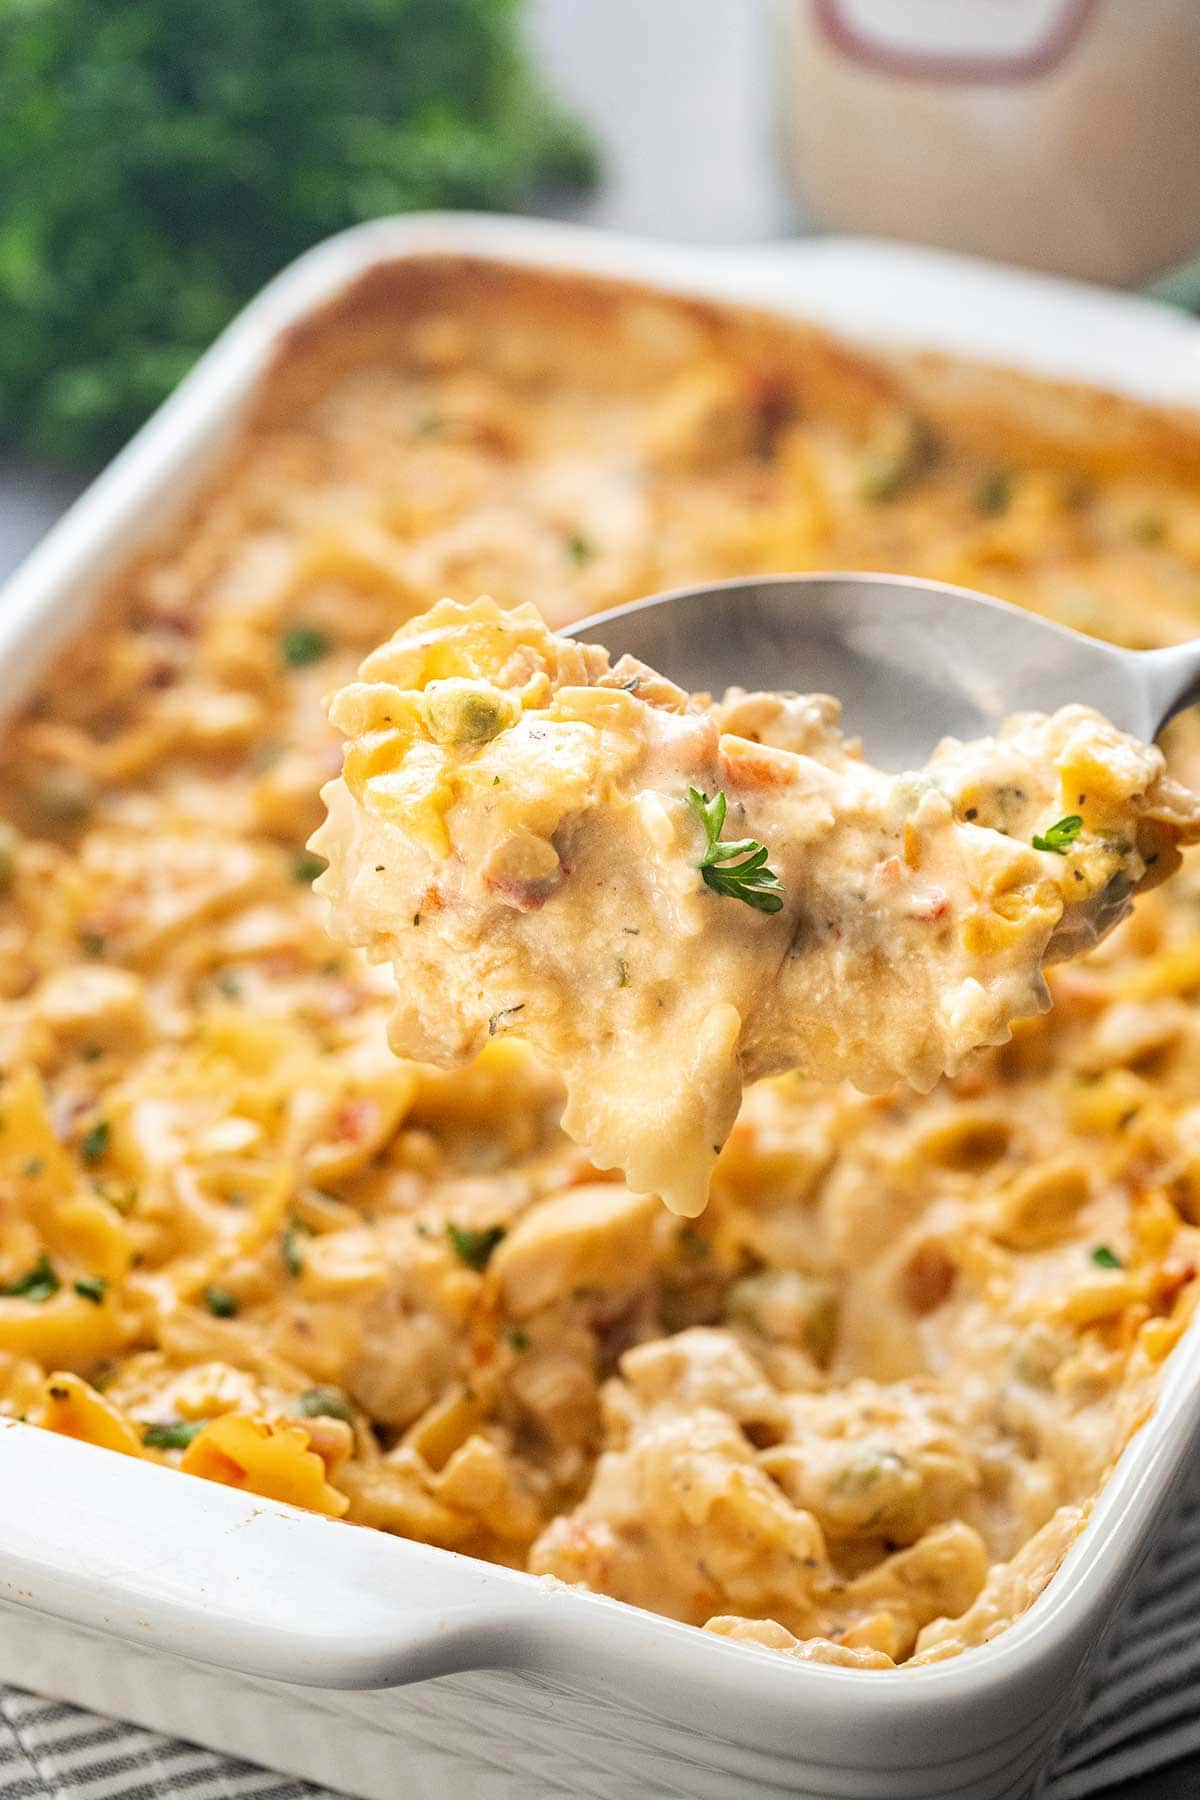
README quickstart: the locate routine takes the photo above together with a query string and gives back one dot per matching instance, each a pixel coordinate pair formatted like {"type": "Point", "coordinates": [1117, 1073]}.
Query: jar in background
{"type": "Point", "coordinates": [1059, 134]}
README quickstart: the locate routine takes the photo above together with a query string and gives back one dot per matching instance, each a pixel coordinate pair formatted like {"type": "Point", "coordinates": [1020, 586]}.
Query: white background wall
{"type": "Point", "coordinates": [682, 94]}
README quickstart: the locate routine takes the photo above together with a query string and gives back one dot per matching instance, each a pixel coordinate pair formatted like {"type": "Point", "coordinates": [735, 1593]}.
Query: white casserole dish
{"type": "Point", "coordinates": [376, 1665]}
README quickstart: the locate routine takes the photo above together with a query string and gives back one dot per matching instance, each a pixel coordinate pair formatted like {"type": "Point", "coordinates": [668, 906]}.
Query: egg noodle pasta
{"type": "Point", "coordinates": [857, 1410]}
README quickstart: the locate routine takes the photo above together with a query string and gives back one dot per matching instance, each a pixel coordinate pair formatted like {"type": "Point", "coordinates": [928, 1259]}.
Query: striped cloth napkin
{"type": "Point", "coordinates": [1143, 1712]}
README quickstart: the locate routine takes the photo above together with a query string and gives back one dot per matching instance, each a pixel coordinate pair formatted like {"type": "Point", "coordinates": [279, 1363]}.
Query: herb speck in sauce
{"type": "Point", "coordinates": [95, 1142]}
{"type": "Point", "coordinates": [307, 866]}
{"type": "Point", "coordinates": [895, 462]}
{"type": "Point", "coordinates": [994, 494]}
{"type": "Point", "coordinates": [475, 1248]}
{"type": "Point", "coordinates": [289, 1246]}
{"type": "Point", "coordinates": [1060, 837]}
{"type": "Point", "coordinates": [175, 1434]}
{"type": "Point", "coordinates": [302, 645]}
{"type": "Point", "coordinates": [41, 1283]}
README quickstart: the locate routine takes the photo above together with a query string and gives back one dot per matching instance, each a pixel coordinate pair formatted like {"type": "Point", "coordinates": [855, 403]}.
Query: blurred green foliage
{"type": "Point", "coordinates": [160, 159]}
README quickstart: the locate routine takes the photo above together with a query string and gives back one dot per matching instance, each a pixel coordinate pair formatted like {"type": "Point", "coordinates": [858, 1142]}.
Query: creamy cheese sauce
{"type": "Point", "coordinates": [528, 836]}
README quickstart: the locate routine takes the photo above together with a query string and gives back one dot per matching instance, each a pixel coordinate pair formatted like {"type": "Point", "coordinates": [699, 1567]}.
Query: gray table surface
{"type": "Point", "coordinates": [696, 162]}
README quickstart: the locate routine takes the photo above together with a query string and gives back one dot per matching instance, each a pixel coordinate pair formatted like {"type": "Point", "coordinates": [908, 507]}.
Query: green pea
{"type": "Point", "coordinates": [462, 712]}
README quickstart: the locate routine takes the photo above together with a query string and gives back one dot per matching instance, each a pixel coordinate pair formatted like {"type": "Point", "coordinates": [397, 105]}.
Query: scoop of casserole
{"type": "Point", "coordinates": [671, 896]}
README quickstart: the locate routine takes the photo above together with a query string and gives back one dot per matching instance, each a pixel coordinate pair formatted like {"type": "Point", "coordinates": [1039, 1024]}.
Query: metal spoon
{"type": "Point", "coordinates": [911, 661]}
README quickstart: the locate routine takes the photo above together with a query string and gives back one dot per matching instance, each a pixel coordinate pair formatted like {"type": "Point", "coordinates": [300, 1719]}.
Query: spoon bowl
{"type": "Point", "coordinates": [911, 661]}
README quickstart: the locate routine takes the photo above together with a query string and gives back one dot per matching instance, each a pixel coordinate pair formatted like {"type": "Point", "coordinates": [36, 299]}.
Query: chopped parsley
{"type": "Point", "coordinates": [95, 1143]}
{"type": "Point", "coordinates": [34, 1167]}
{"type": "Point", "coordinates": [692, 1244]}
{"type": "Point", "coordinates": [580, 550]}
{"type": "Point", "coordinates": [302, 645]}
{"type": "Point", "coordinates": [306, 866]}
{"type": "Point", "coordinates": [175, 1435]}
{"type": "Point", "coordinates": [39, 1284]}
{"type": "Point", "coordinates": [748, 879]}
{"type": "Point", "coordinates": [220, 1302]}
{"type": "Point", "coordinates": [92, 1287]}
{"type": "Point", "coordinates": [1104, 1258]}
{"type": "Point", "coordinates": [325, 1403]}
{"type": "Point", "coordinates": [122, 1196]}
{"type": "Point", "coordinates": [993, 494]}
{"type": "Point", "coordinates": [91, 943]}
{"type": "Point", "coordinates": [1060, 837]}
{"type": "Point", "coordinates": [1148, 528]}
{"type": "Point", "coordinates": [475, 1248]}
{"type": "Point", "coordinates": [890, 468]}
{"type": "Point", "coordinates": [518, 1340]}
{"type": "Point", "coordinates": [289, 1246]}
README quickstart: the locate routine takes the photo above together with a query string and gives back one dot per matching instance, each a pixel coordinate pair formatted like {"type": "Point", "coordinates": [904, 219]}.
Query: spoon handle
{"type": "Point", "coordinates": [1173, 677]}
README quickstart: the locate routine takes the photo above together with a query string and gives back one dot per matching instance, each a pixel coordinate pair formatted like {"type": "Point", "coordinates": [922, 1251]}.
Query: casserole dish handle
{"type": "Point", "coordinates": [174, 1563]}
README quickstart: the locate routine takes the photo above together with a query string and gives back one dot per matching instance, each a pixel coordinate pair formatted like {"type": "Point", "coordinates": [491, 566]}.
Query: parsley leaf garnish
{"type": "Point", "coordinates": [91, 1287]}
{"type": "Point", "coordinates": [176, 1435]}
{"type": "Point", "coordinates": [302, 645]}
{"type": "Point", "coordinates": [475, 1248]}
{"type": "Point", "coordinates": [1104, 1258]}
{"type": "Point", "coordinates": [40, 1283]}
{"type": "Point", "coordinates": [1060, 837]}
{"type": "Point", "coordinates": [748, 879]}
